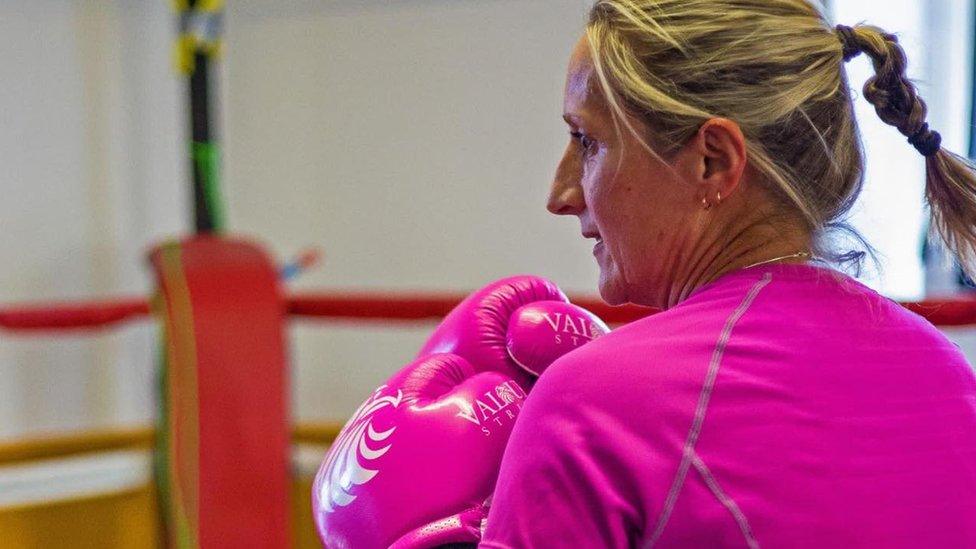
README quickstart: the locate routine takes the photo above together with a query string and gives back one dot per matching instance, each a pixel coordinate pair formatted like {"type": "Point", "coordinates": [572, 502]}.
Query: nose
{"type": "Point", "coordinates": [566, 194]}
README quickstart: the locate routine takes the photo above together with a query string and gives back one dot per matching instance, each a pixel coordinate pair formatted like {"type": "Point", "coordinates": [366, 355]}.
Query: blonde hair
{"type": "Point", "coordinates": [775, 67]}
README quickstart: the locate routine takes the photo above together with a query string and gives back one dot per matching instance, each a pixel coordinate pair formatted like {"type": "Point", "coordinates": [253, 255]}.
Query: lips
{"type": "Point", "coordinates": [595, 236]}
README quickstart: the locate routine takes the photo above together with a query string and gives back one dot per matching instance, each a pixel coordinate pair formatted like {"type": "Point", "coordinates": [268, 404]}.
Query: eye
{"type": "Point", "coordinates": [586, 143]}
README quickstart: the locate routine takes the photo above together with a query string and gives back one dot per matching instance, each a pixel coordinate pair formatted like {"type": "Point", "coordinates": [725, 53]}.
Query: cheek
{"type": "Point", "coordinates": [619, 211]}
{"type": "Point", "coordinates": [641, 210]}
{"type": "Point", "coordinates": [604, 191]}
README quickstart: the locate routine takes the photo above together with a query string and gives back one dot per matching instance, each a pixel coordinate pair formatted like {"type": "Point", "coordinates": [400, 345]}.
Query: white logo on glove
{"type": "Point", "coordinates": [575, 328]}
{"type": "Point", "coordinates": [343, 469]}
{"type": "Point", "coordinates": [498, 405]}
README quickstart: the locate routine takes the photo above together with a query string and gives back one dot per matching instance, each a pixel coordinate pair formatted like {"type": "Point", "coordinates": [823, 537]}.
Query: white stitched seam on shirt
{"type": "Point", "coordinates": [725, 500]}
{"type": "Point", "coordinates": [706, 393]}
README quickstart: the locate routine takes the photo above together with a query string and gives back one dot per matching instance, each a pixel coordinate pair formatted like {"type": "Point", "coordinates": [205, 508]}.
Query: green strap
{"type": "Point", "coordinates": [206, 157]}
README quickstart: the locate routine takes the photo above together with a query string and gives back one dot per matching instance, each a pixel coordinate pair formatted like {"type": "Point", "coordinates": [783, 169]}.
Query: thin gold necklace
{"type": "Point", "coordinates": [791, 256]}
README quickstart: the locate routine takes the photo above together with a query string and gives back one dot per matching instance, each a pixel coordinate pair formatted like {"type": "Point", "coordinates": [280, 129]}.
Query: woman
{"type": "Point", "coordinates": [775, 402]}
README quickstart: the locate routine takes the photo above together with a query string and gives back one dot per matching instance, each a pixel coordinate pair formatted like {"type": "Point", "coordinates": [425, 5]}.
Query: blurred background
{"type": "Point", "coordinates": [412, 140]}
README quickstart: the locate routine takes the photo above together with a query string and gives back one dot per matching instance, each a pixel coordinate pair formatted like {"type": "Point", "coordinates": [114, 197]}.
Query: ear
{"type": "Point", "coordinates": [720, 149]}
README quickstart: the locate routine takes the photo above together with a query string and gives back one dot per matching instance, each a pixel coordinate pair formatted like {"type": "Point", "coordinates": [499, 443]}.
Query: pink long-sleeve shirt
{"type": "Point", "coordinates": [779, 406]}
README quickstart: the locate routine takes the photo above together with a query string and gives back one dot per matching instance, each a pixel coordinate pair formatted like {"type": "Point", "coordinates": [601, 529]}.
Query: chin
{"type": "Point", "coordinates": [611, 291]}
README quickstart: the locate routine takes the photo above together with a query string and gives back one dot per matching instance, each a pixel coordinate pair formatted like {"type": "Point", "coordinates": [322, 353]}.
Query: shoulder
{"type": "Point", "coordinates": [615, 375]}
{"type": "Point", "coordinates": [651, 345]}
{"type": "Point", "coordinates": [667, 352]}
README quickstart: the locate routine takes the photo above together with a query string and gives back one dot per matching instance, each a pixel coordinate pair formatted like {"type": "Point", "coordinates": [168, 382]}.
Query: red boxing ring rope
{"type": "Point", "coordinates": [384, 307]}
{"type": "Point", "coordinates": [432, 306]}
{"type": "Point", "coordinates": [946, 312]}
{"type": "Point", "coordinates": [73, 316]}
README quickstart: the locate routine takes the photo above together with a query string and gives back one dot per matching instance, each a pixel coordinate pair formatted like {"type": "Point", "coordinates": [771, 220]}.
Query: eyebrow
{"type": "Point", "coordinates": [572, 119]}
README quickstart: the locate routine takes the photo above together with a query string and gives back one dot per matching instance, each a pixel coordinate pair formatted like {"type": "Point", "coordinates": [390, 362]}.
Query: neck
{"type": "Point", "coordinates": [748, 244]}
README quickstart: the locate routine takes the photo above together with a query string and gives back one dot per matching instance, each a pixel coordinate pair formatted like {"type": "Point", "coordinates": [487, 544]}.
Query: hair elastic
{"type": "Point", "coordinates": [926, 141]}
{"type": "Point", "coordinates": [848, 41]}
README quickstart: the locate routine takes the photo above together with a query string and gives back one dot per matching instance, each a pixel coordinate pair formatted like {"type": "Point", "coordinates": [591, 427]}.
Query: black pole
{"type": "Point", "coordinates": [203, 215]}
{"type": "Point", "coordinates": [200, 36]}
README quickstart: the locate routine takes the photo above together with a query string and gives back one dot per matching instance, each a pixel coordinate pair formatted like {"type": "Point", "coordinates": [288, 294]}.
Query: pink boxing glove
{"type": "Point", "coordinates": [541, 332]}
{"type": "Point", "coordinates": [414, 439]}
{"type": "Point", "coordinates": [477, 328]}
{"type": "Point", "coordinates": [415, 464]}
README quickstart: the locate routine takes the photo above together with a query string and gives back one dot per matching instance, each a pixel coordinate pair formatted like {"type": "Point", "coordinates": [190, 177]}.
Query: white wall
{"type": "Point", "coordinates": [414, 142]}
{"type": "Point", "coordinates": [91, 143]}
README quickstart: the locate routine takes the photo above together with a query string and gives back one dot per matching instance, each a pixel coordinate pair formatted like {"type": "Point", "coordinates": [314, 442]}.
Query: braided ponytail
{"type": "Point", "coordinates": [950, 183]}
